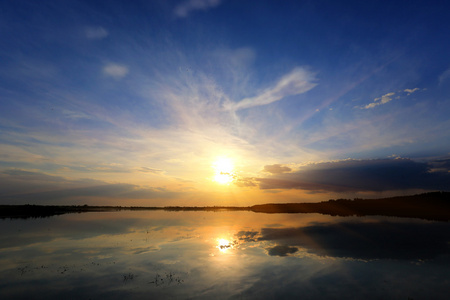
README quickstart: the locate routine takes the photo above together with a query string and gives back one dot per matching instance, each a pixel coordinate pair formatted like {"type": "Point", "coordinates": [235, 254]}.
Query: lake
{"type": "Point", "coordinates": [223, 255]}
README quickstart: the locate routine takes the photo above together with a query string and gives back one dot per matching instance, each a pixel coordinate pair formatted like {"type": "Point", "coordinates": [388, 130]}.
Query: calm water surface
{"type": "Point", "coordinates": [223, 255]}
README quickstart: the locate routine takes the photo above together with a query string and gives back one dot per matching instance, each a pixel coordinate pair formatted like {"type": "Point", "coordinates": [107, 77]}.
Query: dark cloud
{"type": "Point", "coordinates": [362, 175]}
{"type": "Point", "coordinates": [281, 250]}
{"type": "Point", "coordinates": [442, 165]}
{"type": "Point", "coordinates": [33, 176]}
{"type": "Point", "coordinates": [16, 181]}
{"type": "Point", "coordinates": [116, 191]}
{"type": "Point", "coordinates": [276, 169]}
{"type": "Point", "coordinates": [374, 240]}
{"type": "Point", "coordinates": [25, 187]}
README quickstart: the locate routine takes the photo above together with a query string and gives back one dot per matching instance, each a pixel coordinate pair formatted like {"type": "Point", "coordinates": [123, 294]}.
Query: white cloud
{"type": "Point", "coordinates": [296, 82]}
{"type": "Point", "coordinates": [96, 33]}
{"type": "Point", "coordinates": [185, 8]}
{"type": "Point", "coordinates": [387, 98]}
{"type": "Point", "coordinates": [115, 70]}
{"type": "Point", "coordinates": [379, 101]}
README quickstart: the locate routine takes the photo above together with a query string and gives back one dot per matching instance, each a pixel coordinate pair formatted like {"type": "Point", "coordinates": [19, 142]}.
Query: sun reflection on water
{"type": "Point", "coordinates": [223, 245]}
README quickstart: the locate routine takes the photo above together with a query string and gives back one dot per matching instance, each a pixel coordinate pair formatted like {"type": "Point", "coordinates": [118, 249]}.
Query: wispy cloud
{"type": "Point", "coordinates": [444, 76]}
{"type": "Point", "coordinates": [96, 33]}
{"type": "Point", "coordinates": [296, 82]}
{"type": "Point", "coordinates": [115, 70]}
{"type": "Point", "coordinates": [150, 170]}
{"type": "Point", "coordinates": [185, 8]}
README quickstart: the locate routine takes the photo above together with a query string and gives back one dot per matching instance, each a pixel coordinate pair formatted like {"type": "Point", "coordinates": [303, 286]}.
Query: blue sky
{"type": "Point", "coordinates": [205, 102]}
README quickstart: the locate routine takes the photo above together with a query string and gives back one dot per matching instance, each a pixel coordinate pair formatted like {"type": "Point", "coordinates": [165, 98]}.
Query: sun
{"type": "Point", "coordinates": [224, 170]}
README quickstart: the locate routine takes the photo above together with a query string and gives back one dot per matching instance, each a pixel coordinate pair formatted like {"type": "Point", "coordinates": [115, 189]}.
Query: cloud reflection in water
{"type": "Point", "coordinates": [372, 240]}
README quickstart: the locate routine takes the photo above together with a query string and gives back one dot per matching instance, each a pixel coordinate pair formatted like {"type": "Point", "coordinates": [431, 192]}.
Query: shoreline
{"type": "Point", "coordinates": [430, 206]}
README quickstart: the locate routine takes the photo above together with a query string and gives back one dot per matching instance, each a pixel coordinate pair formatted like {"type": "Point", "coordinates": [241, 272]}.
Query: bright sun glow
{"type": "Point", "coordinates": [223, 168]}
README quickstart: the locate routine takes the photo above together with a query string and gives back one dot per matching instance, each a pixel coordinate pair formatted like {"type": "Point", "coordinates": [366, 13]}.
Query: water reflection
{"type": "Point", "coordinates": [204, 255]}
{"type": "Point", "coordinates": [372, 240]}
{"type": "Point", "coordinates": [224, 245]}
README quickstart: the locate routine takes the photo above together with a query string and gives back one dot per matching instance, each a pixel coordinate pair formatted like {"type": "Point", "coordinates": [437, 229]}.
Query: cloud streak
{"type": "Point", "coordinates": [184, 9]}
{"type": "Point", "coordinates": [410, 91]}
{"type": "Point", "coordinates": [298, 81]}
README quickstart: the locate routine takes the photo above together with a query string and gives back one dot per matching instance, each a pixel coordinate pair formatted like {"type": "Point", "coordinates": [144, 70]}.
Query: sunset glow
{"type": "Point", "coordinates": [224, 170]}
{"type": "Point", "coordinates": [224, 149]}
{"type": "Point", "coordinates": [218, 102]}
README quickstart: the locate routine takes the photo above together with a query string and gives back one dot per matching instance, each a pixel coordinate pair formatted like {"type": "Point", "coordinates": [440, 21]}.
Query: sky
{"type": "Point", "coordinates": [222, 102]}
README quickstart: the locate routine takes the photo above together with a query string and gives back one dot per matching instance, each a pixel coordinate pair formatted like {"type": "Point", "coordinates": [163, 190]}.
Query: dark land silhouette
{"type": "Point", "coordinates": [429, 206]}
